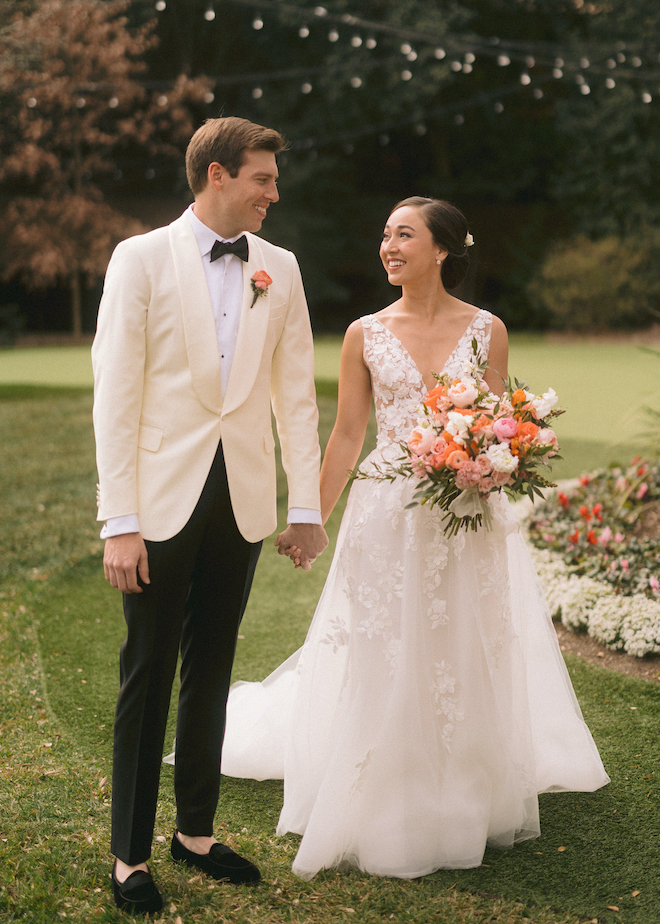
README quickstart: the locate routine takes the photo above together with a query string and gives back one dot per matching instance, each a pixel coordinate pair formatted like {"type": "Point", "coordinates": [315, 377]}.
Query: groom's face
{"type": "Point", "coordinates": [246, 197]}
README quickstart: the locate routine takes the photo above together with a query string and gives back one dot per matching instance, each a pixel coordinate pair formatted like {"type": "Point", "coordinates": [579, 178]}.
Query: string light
{"type": "Point", "coordinates": [113, 102]}
{"type": "Point", "coordinates": [333, 35]}
{"type": "Point", "coordinates": [440, 53]}
{"type": "Point", "coordinates": [610, 84]}
{"type": "Point", "coordinates": [525, 79]}
{"type": "Point", "coordinates": [306, 88]}
{"type": "Point", "coordinates": [160, 5]}
{"type": "Point", "coordinates": [257, 24]}
{"type": "Point", "coordinates": [303, 32]}
{"type": "Point", "coordinates": [503, 60]}
{"type": "Point", "coordinates": [406, 75]}
{"type": "Point", "coordinates": [209, 13]}
{"type": "Point", "coordinates": [356, 82]}
{"type": "Point", "coordinates": [646, 97]}
{"type": "Point", "coordinates": [356, 41]}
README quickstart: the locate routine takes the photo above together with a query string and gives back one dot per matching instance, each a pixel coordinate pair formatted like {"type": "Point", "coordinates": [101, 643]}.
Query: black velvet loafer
{"type": "Point", "coordinates": [220, 863]}
{"type": "Point", "coordinates": [138, 894]}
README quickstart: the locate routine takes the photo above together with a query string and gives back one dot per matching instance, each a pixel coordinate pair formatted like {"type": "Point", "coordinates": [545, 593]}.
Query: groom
{"type": "Point", "coordinates": [189, 357]}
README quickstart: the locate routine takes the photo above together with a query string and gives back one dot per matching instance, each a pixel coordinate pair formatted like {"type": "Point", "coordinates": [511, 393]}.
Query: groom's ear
{"type": "Point", "coordinates": [217, 175]}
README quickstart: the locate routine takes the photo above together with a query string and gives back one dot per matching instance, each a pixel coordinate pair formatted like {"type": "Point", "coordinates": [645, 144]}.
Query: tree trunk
{"type": "Point", "coordinates": [76, 304]}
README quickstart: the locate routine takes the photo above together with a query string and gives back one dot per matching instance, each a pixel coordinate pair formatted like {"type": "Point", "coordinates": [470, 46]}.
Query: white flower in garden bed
{"type": "Point", "coordinates": [623, 623]}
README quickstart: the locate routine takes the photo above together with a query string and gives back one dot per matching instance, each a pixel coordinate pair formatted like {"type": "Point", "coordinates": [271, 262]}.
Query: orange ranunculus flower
{"type": "Point", "coordinates": [527, 431]}
{"type": "Point", "coordinates": [431, 400]}
{"type": "Point", "coordinates": [514, 446]}
{"type": "Point", "coordinates": [518, 397]}
{"type": "Point", "coordinates": [451, 447]}
{"type": "Point", "coordinates": [455, 458]}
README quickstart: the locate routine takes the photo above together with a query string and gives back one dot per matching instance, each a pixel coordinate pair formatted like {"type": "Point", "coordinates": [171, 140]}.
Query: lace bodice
{"type": "Point", "coordinates": [398, 385]}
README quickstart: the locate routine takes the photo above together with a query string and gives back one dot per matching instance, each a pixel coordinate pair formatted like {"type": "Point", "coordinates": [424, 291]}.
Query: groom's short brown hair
{"type": "Point", "coordinates": [226, 141]}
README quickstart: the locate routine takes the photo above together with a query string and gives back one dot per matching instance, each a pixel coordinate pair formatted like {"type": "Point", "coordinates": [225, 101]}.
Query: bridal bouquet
{"type": "Point", "coordinates": [469, 443]}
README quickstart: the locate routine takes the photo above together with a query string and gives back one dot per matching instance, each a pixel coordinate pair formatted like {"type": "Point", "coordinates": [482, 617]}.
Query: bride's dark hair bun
{"type": "Point", "coordinates": [449, 229]}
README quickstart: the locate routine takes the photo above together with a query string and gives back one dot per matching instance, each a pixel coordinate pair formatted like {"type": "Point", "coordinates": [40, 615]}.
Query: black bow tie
{"type": "Point", "coordinates": [239, 247]}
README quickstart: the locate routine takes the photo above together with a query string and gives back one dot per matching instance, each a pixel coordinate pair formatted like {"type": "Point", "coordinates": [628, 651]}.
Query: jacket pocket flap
{"type": "Point", "coordinates": [150, 438]}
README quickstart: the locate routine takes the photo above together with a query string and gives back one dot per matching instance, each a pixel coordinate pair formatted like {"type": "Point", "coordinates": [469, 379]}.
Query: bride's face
{"type": "Point", "coordinates": [407, 250]}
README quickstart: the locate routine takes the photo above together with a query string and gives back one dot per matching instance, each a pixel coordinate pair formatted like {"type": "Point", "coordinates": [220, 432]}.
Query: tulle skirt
{"type": "Point", "coordinates": [429, 704]}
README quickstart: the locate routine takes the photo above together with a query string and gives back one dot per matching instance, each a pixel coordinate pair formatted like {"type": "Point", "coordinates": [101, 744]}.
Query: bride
{"type": "Point", "coordinates": [430, 703]}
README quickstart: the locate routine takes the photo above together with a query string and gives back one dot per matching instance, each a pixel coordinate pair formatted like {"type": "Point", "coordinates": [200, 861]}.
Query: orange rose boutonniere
{"type": "Point", "coordinates": [259, 282]}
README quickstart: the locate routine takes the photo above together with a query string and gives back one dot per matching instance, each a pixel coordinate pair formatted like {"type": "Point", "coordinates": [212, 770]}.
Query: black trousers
{"type": "Point", "coordinates": [200, 582]}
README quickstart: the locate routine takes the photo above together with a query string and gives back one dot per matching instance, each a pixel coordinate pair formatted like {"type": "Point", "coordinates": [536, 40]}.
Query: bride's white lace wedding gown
{"type": "Point", "coordinates": [430, 702]}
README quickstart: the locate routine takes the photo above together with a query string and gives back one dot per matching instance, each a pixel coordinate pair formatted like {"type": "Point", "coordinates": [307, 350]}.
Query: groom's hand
{"type": "Point", "coordinates": [124, 558]}
{"type": "Point", "coordinates": [303, 543]}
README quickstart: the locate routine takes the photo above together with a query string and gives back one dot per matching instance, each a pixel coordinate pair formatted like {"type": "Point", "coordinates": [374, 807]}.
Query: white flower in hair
{"type": "Point", "coordinates": [469, 240]}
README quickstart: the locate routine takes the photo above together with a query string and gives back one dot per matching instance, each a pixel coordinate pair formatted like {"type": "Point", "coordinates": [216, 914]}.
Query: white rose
{"type": "Point", "coordinates": [459, 425]}
{"type": "Point", "coordinates": [500, 457]}
{"type": "Point", "coordinates": [544, 403]}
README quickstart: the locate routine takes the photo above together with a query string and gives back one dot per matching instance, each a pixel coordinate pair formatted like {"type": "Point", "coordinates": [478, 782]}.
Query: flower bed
{"type": "Point", "coordinates": [596, 546]}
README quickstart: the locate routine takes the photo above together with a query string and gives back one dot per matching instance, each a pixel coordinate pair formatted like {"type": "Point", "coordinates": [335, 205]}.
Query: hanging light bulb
{"type": "Point", "coordinates": [160, 5]}
{"type": "Point", "coordinates": [209, 14]}
{"type": "Point", "coordinates": [356, 82]}
{"type": "Point", "coordinates": [470, 58]}
{"type": "Point", "coordinates": [257, 24]}
{"type": "Point", "coordinates": [537, 93]}
{"type": "Point", "coordinates": [530, 61]}
{"type": "Point", "coordinates": [585, 89]}
{"type": "Point", "coordinates": [498, 107]}
{"type": "Point", "coordinates": [610, 84]}
{"type": "Point", "coordinates": [306, 88]}
{"type": "Point", "coordinates": [356, 41]}
{"type": "Point", "coordinates": [440, 53]}
{"type": "Point", "coordinates": [503, 60]}
{"type": "Point", "coordinates": [459, 119]}
{"type": "Point", "coordinates": [525, 79]}
{"type": "Point", "coordinates": [406, 75]}
{"type": "Point", "coordinates": [333, 35]}
{"type": "Point", "coordinates": [209, 97]}
{"type": "Point", "coordinates": [371, 42]}
{"type": "Point", "coordinates": [406, 48]}
{"type": "Point", "coordinates": [113, 102]}
{"type": "Point", "coordinates": [303, 32]}
{"type": "Point", "coordinates": [257, 93]}
{"type": "Point", "coordinates": [646, 97]}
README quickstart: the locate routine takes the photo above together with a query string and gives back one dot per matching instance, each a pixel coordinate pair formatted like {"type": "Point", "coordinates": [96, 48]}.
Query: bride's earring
{"type": "Point", "coordinates": [438, 261]}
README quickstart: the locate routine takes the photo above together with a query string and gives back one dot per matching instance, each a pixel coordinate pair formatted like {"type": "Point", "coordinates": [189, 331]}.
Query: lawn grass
{"type": "Point", "coordinates": [60, 628]}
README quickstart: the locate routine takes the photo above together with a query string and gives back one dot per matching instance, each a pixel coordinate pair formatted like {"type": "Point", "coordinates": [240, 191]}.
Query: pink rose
{"type": "Point", "coordinates": [421, 439]}
{"type": "Point", "coordinates": [546, 437]}
{"type": "Point", "coordinates": [643, 488]}
{"type": "Point", "coordinates": [605, 536]}
{"type": "Point", "coordinates": [468, 475]}
{"type": "Point", "coordinates": [484, 464]}
{"type": "Point", "coordinates": [501, 478]}
{"type": "Point", "coordinates": [505, 428]}
{"type": "Point", "coordinates": [654, 584]}
{"type": "Point", "coordinates": [462, 394]}
{"type": "Point", "coordinates": [486, 485]}
{"type": "Point", "coordinates": [419, 467]}
{"type": "Point", "coordinates": [439, 446]}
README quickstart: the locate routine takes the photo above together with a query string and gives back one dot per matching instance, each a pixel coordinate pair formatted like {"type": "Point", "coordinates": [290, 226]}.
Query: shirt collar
{"type": "Point", "coordinates": [206, 238]}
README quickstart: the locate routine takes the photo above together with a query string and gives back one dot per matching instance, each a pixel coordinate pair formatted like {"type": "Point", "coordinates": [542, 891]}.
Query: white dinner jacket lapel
{"type": "Point", "coordinates": [252, 331]}
{"type": "Point", "coordinates": [197, 313]}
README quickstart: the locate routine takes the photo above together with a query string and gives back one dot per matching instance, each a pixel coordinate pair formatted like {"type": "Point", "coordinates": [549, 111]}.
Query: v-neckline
{"type": "Point", "coordinates": [409, 355]}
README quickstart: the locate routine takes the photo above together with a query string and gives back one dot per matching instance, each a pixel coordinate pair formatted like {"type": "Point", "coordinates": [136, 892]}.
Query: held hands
{"type": "Point", "coordinates": [302, 543]}
{"type": "Point", "coordinates": [124, 558]}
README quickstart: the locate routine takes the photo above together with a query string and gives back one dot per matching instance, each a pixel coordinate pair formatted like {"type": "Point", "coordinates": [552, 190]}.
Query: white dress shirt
{"type": "Point", "coordinates": [224, 278]}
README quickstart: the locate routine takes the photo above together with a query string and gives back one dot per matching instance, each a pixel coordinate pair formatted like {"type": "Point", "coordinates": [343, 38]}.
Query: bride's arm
{"type": "Point", "coordinates": [498, 357]}
{"type": "Point", "coordinates": [353, 409]}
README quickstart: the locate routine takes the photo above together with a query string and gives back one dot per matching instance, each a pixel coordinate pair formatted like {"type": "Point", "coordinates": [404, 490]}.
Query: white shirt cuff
{"type": "Point", "coordinates": [304, 515]}
{"type": "Point", "coordinates": [118, 526]}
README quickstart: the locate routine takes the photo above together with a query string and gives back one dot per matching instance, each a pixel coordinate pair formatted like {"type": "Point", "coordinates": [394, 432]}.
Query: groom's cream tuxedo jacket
{"type": "Point", "coordinates": [159, 411]}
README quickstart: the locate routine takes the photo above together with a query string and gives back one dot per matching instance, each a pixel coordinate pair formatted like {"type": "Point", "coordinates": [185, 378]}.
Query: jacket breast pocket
{"type": "Point", "coordinates": [149, 438]}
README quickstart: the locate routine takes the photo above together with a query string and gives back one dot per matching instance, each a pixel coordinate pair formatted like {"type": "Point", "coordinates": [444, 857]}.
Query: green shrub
{"type": "Point", "coordinates": [610, 283]}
